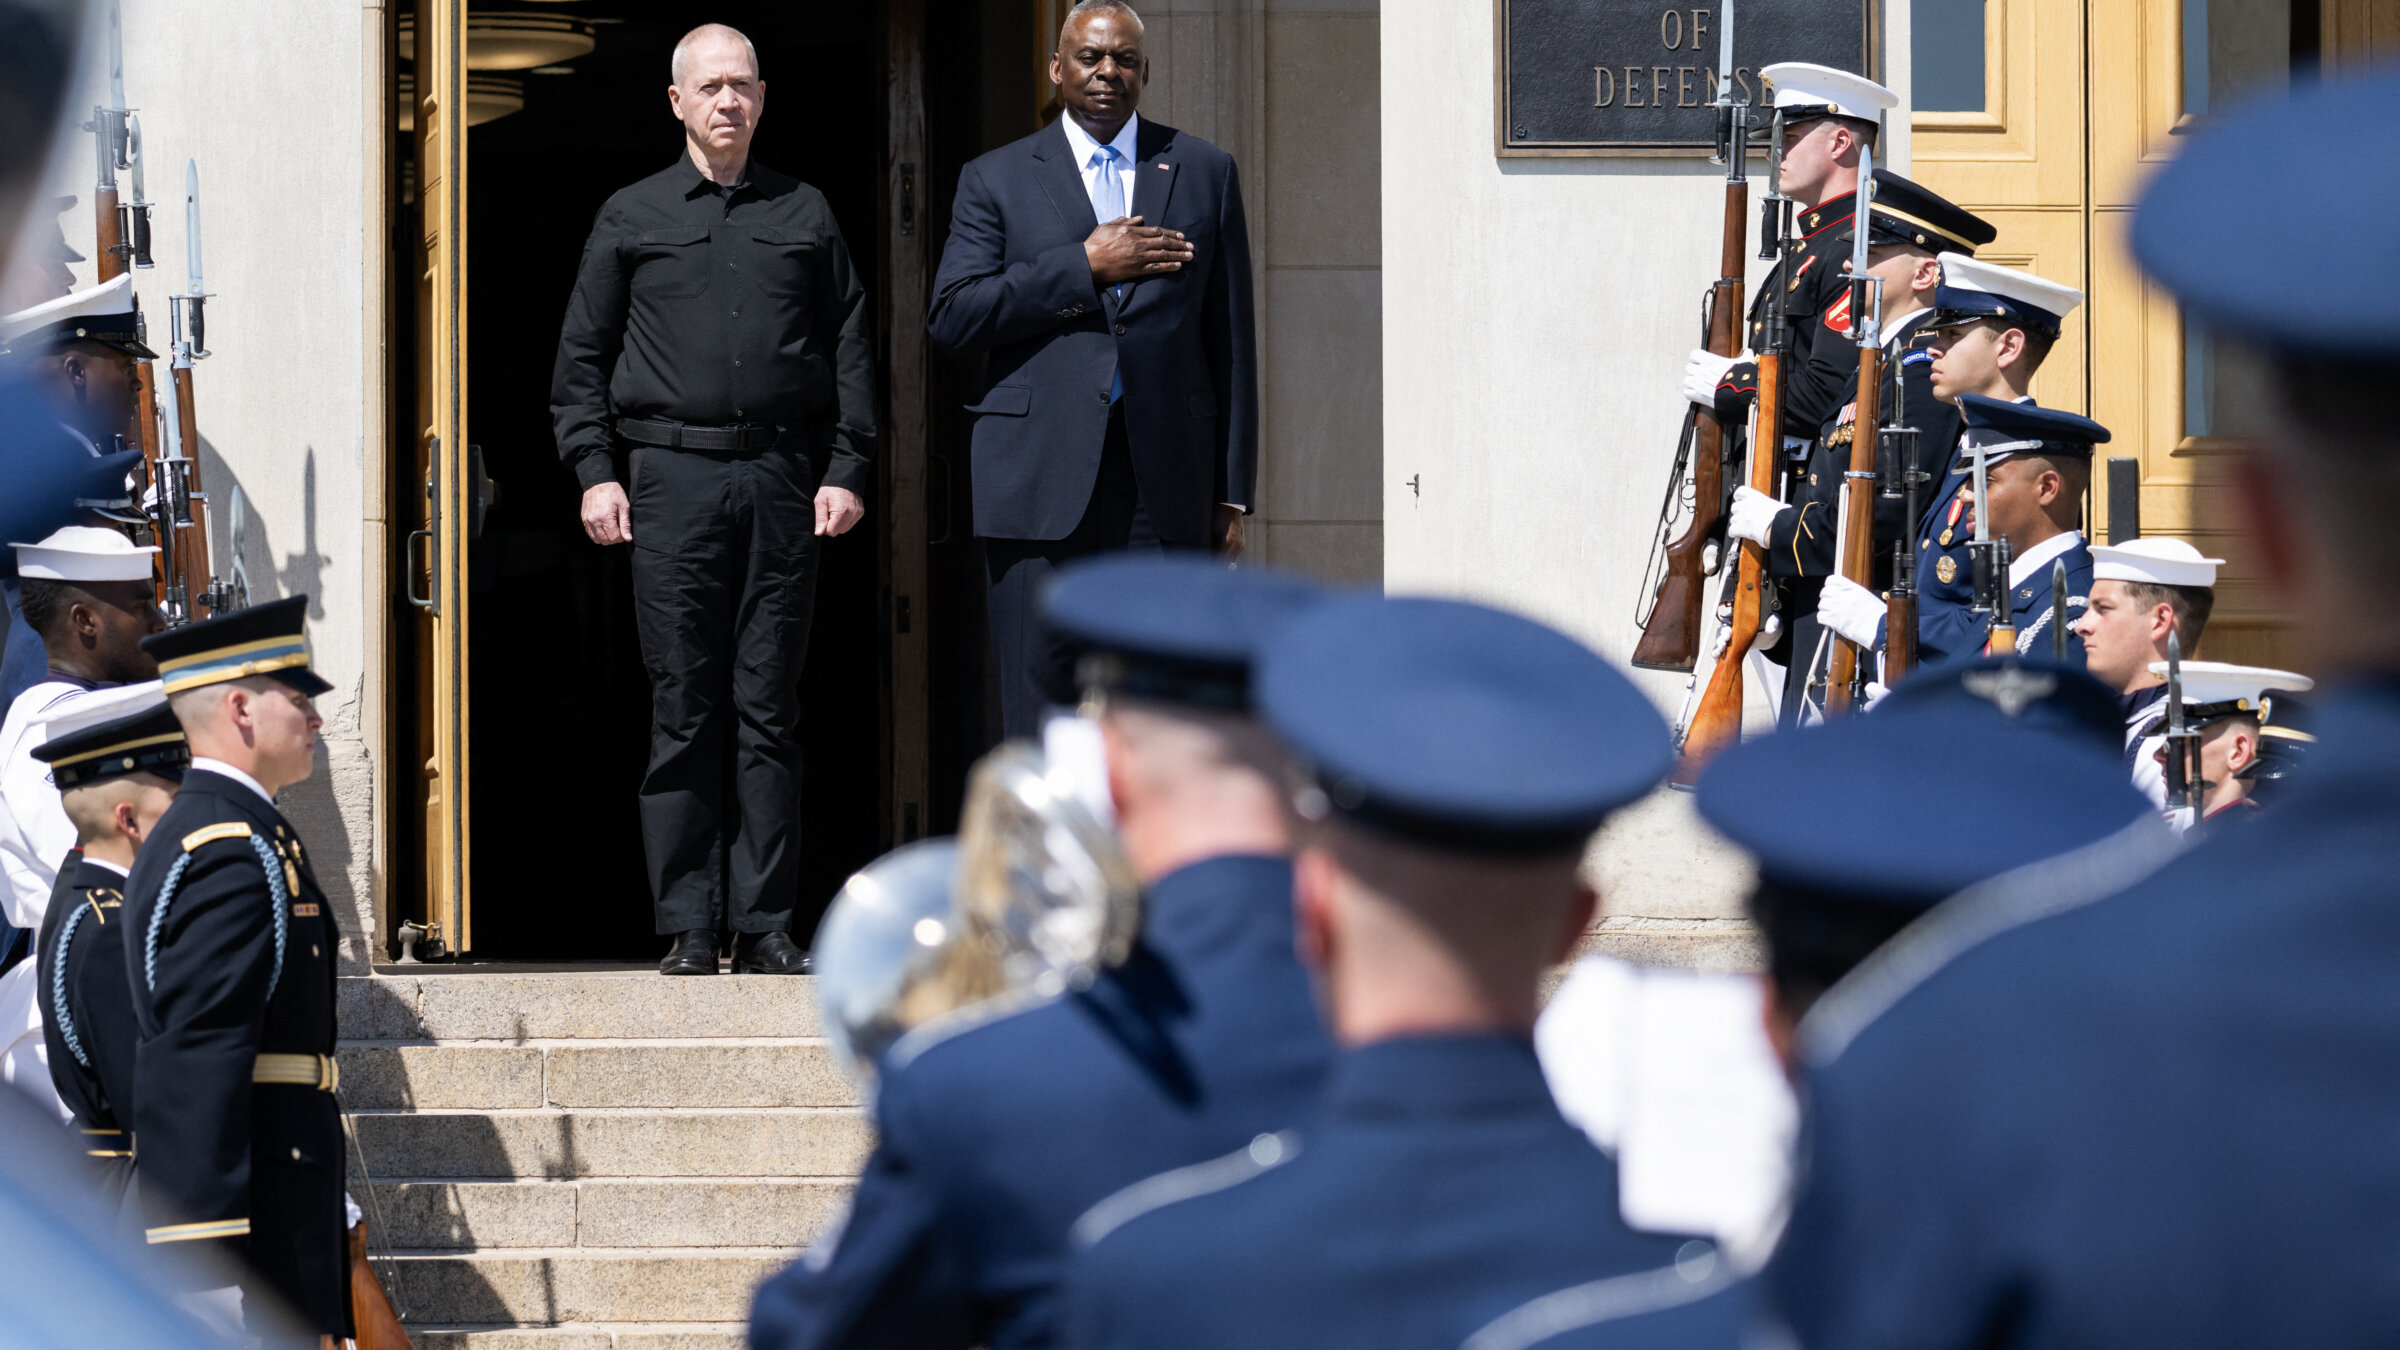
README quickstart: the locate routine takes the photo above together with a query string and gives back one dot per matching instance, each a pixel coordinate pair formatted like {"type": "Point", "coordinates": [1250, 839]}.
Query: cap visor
{"type": "Point", "coordinates": [303, 679]}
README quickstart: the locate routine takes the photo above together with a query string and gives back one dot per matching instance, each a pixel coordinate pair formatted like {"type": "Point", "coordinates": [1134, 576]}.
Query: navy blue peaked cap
{"type": "Point", "coordinates": [2316, 267]}
{"type": "Point", "coordinates": [1181, 629]}
{"type": "Point", "coordinates": [149, 741]}
{"type": "Point", "coordinates": [1904, 211]}
{"type": "Point", "coordinates": [269, 639]}
{"type": "Point", "coordinates": [1459, 726]}
{"type": "Point", "coordinates": [2038, 693]}
{"type": "Point", "coordinates": [1841, 808]}
{"type": "Point", "coordinates": [2059, 431]}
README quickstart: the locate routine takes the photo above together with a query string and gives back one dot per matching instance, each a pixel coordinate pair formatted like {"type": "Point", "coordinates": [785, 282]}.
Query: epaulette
{"type": "Point", "coordinates": [1256, 1158]}
{"type": "Point", "coordinates": [231, 829]}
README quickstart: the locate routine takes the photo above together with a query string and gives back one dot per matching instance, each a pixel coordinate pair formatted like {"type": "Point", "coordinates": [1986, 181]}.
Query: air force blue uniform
{"type": "Point", "coordinates": [1000, 1126]}
{"type": "Point", "coordinates": [1438, 1186]}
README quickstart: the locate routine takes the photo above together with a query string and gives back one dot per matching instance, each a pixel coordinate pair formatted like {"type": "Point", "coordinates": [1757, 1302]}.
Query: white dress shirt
{"type": "Point", "coordinates": [2034, 563]}
{"type": "Point", "coordinates": [221, 767]}
{"type": "Point", "coordinates": [1083, 146]}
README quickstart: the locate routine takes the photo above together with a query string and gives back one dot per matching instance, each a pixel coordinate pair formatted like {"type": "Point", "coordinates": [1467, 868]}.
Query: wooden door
{"type": "Point", "coordinates": [908, 739]}
{"type": "Point", "coordinates": [438, 558]}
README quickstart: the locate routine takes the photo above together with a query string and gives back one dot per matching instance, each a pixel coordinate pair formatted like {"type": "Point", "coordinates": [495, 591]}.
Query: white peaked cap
{"type": "Point", "coordinates": [84, 553]}
{"type": "Point", "coordinates": [1961, 272]}
{"type": "Point", "coordinates": [1801, 85]}
{"type": "Point", "coordinates": [91, 707]}
{"type": "Point", "coordinates": [2158, 562]}
{"type": "Point", "coordinates": [2219, 682]}
{"type": "Point", "coordinates": [113, 296]}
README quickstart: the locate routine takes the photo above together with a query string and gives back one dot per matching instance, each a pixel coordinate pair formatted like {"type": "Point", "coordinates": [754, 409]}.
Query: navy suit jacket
{"type": "Point", "coordinates": [1438, 1189]}
{"type": "Point", "coordinates": [2133, 1096]}
{"type": "Point", "coordinates": [998, 1131]}
{"type": "Point", "coordinates": [1014, 284]}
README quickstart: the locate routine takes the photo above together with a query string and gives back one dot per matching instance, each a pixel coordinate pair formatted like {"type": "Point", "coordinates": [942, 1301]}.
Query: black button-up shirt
{"type": "Point", "coordinates": [710, 306]}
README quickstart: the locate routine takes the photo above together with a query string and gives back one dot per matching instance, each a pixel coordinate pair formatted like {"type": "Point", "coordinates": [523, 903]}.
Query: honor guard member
{"type": "Point", "coordinates": [89, 594]}
{"type": "Point", "coordinates": [1992, 329]}
{"type": "Point", "coordinates": [2146, 1098]}
{"type": "Point", "coordinates": [2223, 706]}
{"type": "Point", "coordinates": [2143, 592]}
{"type": "Point", "coordinates": [1457, 760]}
{"type": "Point", "coordinates": [86, 349]}
{"type": "Point", "coordinates": [2284, 739]}
{"type": "Point", "coordinates": [230, 951]}
{"type": "Point", "coordinates": [999, 1126]}
{"type": "Point", "coordinates": [1843, 886]}
{"type": "Point", "coordinates": [1828, 115]}
{"type": "Point", "coordinates": [1910, 229]}
{"type": "Point", "coordinates": [118, 778]}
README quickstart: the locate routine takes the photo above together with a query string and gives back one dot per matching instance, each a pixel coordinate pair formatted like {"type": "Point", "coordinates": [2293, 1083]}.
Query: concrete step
{"type": "Point", "coordinates": [553, 1287]}
{"type": "Point", "coordinates": [611, 1336]}
{"type": "Point", "coordinates": [825, 1143]}
{"type": "Point", "coordinates": [699, 1073]}
{"type": "Point", "coordinates": [466, 1006]}
{"type": "Point", "coordinates": [438, 1216]}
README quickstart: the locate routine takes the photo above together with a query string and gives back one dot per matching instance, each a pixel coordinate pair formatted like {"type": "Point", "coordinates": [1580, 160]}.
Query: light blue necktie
{"type": "Point", "coordinates": [1108, 203]}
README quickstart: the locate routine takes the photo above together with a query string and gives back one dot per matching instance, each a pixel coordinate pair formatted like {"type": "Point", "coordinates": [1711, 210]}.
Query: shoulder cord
{"type": "Point", "coordinates": [58, 987]}
{"type": "Point", "coordinates": [281, 898]}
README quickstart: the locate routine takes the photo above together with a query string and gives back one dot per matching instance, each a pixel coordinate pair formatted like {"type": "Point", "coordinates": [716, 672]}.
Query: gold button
{"type": "Point", "coordinates": [312, 950]}
{"type": "Point", "coordinates": [295, 1155]}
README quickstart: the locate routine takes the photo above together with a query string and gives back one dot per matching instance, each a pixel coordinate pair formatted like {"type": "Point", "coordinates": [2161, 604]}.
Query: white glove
{"type": "Point", "coordinates": [1753, 515]}
{"type": "Point", "coordinates": [1875, 693]}
{"type": "Point", "coordinates": [1700, 376]}
{"type": "Point", "coordinates": [1850, 610]}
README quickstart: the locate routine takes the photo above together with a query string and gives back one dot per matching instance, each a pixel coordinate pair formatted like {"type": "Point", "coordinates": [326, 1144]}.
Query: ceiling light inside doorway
{"type": "Point", "coordinates": [513, 39]}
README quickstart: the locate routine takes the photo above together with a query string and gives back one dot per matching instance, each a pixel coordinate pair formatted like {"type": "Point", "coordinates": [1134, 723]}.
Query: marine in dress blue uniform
{"type": "Point", "coordinates": [1001, 1125]}
{"type": "Point", "coordinates": [2146, 1098]}
{"type": "Point", "coordinates": [87, 1006]}
{"type": "Point", "coordinates": [1438, 1186]}
{"type": "Point", "coordinates": [230, 953]}
{"type": "Point", "coordinates": [1844, 889]}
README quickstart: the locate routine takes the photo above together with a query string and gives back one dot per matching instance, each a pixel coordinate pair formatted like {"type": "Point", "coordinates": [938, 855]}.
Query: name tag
{"type": "Point", "coordinates": [304, 911]}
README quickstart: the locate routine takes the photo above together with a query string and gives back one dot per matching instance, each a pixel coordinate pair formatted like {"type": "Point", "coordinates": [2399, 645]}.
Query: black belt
{"type": "Point", "coordinates": [737, 439]}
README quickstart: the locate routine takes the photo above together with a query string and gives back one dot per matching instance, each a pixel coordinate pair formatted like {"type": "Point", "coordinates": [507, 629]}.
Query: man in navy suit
{"type": "Point", "coordinates": [1102, 265]}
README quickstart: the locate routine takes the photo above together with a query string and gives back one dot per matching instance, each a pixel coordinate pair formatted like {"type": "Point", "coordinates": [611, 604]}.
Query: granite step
{"type": "Point", "coordinates": [709, 1073]}
{"type": "Point", "coordinates": [824, 1143]}
{"type": "Point", "coordinates": [696, 1336]}
{"type": "Point", "coordinates": [466, 1006]}
{"type": "Point", "coordinates": [427, 1217]}
{"type": "Point", "coordinates": [551, 1288]}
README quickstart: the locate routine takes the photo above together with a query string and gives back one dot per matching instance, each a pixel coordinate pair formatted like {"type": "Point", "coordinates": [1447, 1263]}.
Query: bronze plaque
{"type": "Point", "coordinates": [1637, 77]}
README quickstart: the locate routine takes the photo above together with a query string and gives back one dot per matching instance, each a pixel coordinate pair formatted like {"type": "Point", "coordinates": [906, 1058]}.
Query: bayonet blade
{"type": "Point", "coordinates": [191, 228]}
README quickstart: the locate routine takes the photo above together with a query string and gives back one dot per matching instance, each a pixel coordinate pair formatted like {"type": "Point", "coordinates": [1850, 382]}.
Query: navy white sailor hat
{"type": "Point", "coordinates": [1805, 92]}
{"type": "Point", "coordinates": [2002, 427]}
{"type": "Point", "coordinates": [1832, 808]}
{"type": "Point", "coordinates": [1900, 211]}
{"type": "Point", "coordinates": [2154, 560]}
{"type": "Point", "coordinates": [1178, 629]}
{"type": "Point", "coordinates": [2030, 693]}
{"type": "Point", "coordinates": [105, 313]}
{"type": "Point", "coordinates": [1458, 726]}
{"type": "Point", "coordinates": [2316, 267]}
{"type": "Point", "coordinates": [269, 639]}
{"type": "Point", "coordinates": [112, 737]}
{"type": "Point", "coordinates": [1972, 289]}
{"type": "Point", "coordinates": [85, 553]}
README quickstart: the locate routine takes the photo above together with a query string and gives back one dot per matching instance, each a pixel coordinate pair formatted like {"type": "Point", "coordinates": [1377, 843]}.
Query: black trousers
{"type": "Point", "coordinates": [1035, 666]}
{"type": "Point", "coordinates": [724, 578]}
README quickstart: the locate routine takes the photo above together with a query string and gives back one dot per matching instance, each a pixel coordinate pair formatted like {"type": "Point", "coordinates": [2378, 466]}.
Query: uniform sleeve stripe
{"type": "Point", "coordinates": [1976, 915]}
{"type": "Point", "coordinates": [1608, 1300]}
{"type": "Point", "coordinates": [1261, 1155]}
{"type": "Point", "coordinates": [199, 1232]}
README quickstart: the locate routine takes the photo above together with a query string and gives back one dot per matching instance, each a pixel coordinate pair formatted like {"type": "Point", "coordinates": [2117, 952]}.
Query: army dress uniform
{"type": "Point", "coordinates": [231, 952]}
{"type": "Point", "coordinates": [1437, 1185]}
{"type": "Point", "coordinates": [1002, 1124]}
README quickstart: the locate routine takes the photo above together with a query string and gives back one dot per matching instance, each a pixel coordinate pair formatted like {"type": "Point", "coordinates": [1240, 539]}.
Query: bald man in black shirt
{"type": "Point", "coordinates": [716, 357]}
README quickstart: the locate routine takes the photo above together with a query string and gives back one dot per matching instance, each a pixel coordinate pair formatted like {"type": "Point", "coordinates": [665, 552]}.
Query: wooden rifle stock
{"type": "Point", "coordinates": [1900, 643]}
{"type": "Point", "coordinates": [373, 1323]}
{"type": "Point", "coordinates": [194, 567]}
{"type": "Point", "coordinates": [1845, 689]}
{"type": "Point", "coordinates": [1717, 720]}
{"type": "Point", "coordinates": [1671, 639]}
{"type": "Point", "coordinates": [110, 260]}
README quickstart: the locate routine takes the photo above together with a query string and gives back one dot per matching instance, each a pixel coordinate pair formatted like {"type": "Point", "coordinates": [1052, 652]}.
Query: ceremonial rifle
{"type": "Point", "coordinates": [1714, 720]}
{"type": "Point", "coordinates": [1989, 553]}
{"type": "Point", "coordinates": [2058, 609]}
{"type": "Point", "coordinates": [1845, 686]}
{"type": "Point", "coordinates": [192, 590]}
{"type": "Point", "coordinates": [2183, 745]}
{"type": "Point", "coordinates": [1671, 630]}
{"type": "Point", "coordinates": [1900, 602]}
{"type": "Point", "coordinates": [122, 232]}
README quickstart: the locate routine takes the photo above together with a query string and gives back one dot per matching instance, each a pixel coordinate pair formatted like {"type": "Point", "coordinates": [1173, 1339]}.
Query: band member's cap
{"type": "Point", "coordinates": [2155, 562]}
{"type": "Point", "coordinates": [116, 736]}
{"type": "Point", "coordinates": [269, 639]}
{"type": "Point", "coordinates": [1972, 289]}
{"type": "Point", "coordinates": [84, 553]}
{"type": "Point", "coordinates": [1806, 92]}
{"type": "Point", "coordinates": [1181, 630]}
{"type": "Point", "coordinates": [105, 313]}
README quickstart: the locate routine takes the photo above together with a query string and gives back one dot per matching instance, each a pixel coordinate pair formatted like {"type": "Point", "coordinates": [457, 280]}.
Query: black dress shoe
{"type": "Point", "coordinates": [694, 953]}
{"type": "Point", "coordinates": [769, 954]}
